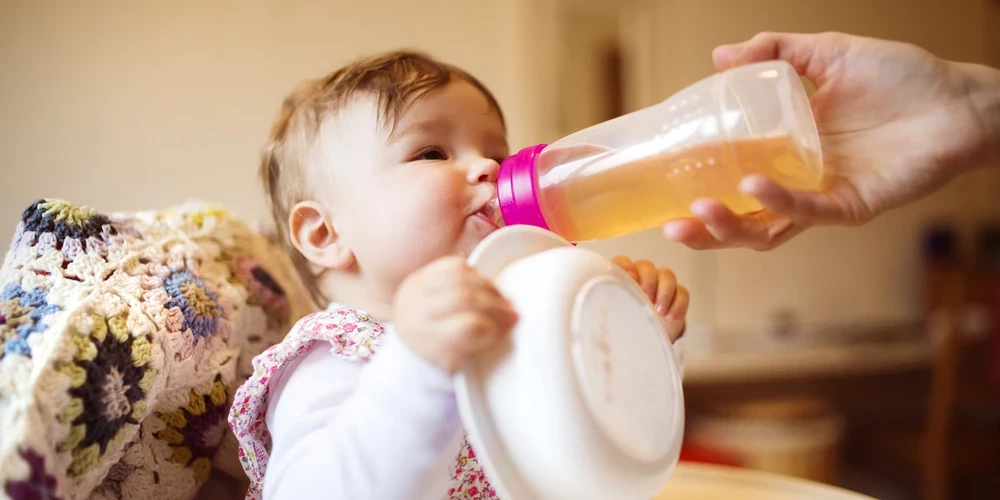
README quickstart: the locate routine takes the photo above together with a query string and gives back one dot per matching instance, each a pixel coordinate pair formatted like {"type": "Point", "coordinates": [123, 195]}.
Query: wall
{"type": "Point", "coordinates": [134, 105]}
{"type": "Point", "coordinates": [992, 26]}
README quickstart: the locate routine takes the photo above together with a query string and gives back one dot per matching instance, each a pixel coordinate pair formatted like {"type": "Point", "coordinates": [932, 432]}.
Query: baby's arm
{"type": "Point", "coordinates": [352, 430]}
{"type": "Point", "coordinates": [388, 429]}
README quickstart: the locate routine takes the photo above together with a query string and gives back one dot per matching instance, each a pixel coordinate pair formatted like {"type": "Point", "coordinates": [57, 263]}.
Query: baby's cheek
{"type": "Point", "coordinates": [425, 231]}
{"type": "Point", "coordinates": [422, 217]}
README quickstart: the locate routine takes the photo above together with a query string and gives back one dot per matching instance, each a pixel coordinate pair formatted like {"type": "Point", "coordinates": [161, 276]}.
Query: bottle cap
{"type": "Point", "coordinates": [517, 191]}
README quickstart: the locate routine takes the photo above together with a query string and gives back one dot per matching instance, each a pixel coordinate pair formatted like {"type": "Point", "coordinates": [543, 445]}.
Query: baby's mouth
{"type": "Point", "coordinates": [484, 216]}
{"type": "Point", "coordinates": [491, 213]}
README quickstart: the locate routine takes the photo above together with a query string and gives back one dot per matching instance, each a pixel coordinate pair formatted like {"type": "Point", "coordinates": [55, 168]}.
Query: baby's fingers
{"type": "Point", "coordinates": [648, 277]}
{"type": "Point", "coordinates": [666, 288]}
{"type": "Point", "coordinates": [472, 331]}
{"type": "Point", "coordinates": [679, 308]}
{"type": "Point", "coordinates": [627, 265]}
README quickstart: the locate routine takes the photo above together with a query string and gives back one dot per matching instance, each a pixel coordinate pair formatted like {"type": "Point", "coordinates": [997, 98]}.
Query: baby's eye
{"type": "Point", "coordinates": [431, 154]}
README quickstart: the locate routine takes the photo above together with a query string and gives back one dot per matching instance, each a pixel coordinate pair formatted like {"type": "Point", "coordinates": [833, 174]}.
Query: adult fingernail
{"type": "Point", "coordinates": [698, 208]}
{"type": "Point", "coordinates": [661, 309]}
{"type": "Point", "coordinates": [724, 55]}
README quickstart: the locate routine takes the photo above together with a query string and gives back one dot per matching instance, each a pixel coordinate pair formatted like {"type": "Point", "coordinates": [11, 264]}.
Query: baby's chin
{"type": "Point", "coordinates": [465, 247]}
{"type": "Point", "coordinates": [476, 230]}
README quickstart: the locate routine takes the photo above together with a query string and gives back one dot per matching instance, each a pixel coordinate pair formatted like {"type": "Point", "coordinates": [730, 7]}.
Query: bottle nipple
{"type": "Point", "coordinates": [492, 212]}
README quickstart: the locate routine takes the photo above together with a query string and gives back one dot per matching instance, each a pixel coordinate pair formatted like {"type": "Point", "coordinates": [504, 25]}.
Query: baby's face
{"type": "Point", "coordinates": [400, 201]}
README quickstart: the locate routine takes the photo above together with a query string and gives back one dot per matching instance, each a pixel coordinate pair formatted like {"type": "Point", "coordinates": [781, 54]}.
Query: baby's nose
{"type": "Point", "coordinates": [483, 170]}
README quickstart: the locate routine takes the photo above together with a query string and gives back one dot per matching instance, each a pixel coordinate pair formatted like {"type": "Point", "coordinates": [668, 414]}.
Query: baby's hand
{"type": "Point", "coordinates": [446, 310]}
{"type": "Point", "coordinates": [669, 298]}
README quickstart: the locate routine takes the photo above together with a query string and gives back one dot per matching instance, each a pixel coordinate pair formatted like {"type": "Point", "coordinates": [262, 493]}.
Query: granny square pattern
{"type": "Point", "coordinates": [122, 339]}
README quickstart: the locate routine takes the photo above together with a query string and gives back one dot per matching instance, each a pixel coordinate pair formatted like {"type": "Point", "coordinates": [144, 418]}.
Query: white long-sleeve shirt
{"type": "Point", "coordinates": [341, 429]}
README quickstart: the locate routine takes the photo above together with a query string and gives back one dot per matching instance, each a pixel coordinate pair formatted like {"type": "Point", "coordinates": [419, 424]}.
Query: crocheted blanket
{"type": "Point", "coordinates": [122, 338]}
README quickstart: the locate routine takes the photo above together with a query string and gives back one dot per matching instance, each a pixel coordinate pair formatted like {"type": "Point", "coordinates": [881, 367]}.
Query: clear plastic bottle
{"type": "Point", "coordinates": [640, 170]}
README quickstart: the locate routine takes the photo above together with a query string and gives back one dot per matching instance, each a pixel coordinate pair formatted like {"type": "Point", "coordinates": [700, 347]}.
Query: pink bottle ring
{"type": "Point", "coordinates": [517, 189]}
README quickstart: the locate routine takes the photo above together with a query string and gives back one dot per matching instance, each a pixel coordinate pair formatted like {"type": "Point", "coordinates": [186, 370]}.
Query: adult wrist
{"type": "Point", "coordinates": [982, 84]}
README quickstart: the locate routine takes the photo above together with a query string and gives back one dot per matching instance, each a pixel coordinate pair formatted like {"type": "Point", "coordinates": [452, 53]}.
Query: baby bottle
{"type": "Point", "coordinates": [642, 169]}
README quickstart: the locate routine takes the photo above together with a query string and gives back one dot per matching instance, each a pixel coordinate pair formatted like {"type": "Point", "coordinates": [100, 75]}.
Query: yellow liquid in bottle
{"type": "Point", "coordinates": [609, 194]}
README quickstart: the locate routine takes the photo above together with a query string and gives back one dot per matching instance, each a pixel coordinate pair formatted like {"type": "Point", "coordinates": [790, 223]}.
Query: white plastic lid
{"type": "Point", "coordinates": [584, 401]}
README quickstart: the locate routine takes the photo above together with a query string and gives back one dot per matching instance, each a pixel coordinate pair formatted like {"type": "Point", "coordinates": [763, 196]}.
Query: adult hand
{"type": "Point", "coordinates": [895, 123]}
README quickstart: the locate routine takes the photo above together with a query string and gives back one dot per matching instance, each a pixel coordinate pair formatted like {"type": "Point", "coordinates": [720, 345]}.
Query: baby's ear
{"type": "Point", "coordinates": [313, 235]}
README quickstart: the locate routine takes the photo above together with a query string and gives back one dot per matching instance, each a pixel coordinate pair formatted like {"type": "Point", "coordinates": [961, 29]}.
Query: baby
{"type": "Point", "coordinates": [376, 176]}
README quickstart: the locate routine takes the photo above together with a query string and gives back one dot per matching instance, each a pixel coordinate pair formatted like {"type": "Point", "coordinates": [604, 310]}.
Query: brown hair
{"type": "Point", "coordinates": [393, 78]}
